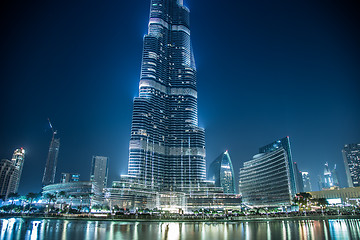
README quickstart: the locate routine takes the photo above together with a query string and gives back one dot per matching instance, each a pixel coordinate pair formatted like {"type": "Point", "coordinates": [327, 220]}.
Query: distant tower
{"type": "Point", "coordinates": [329, 178]}
{"type": "Point", "coordinates": [221, 171]}
{"type": "Point", "coordinates": [18, 161]}
{"type": "Point", "coordinates": [10, 173]}
{"type": "Point", "coordinates": [306, 182]}
{"type": "Point", "coordinates": [351, 156]}
{"type": "Point", "coordinates": [51, 162]}
{"type": "Point", "coordinates": [99, 171]}
{"type": "Point", "coordinates": [298, 179]}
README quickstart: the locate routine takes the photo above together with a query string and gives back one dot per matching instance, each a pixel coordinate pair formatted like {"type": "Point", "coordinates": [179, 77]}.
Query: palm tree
{"type": "Point", "coordinates": [51, 197]}
{"type": "Point", "coordinates": [13, 196]}
{"type": "Point", "coordinates": [62, 194]}
{"type": "Point", "coordinates": [30, 197]}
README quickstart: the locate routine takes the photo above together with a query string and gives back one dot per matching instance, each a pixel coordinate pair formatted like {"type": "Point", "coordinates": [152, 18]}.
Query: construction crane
{"type": "Point", "coordinates": [52, 129]}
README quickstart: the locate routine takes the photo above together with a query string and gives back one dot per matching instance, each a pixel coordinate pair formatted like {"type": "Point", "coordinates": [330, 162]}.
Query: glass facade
{"type": "Point", "coordinates": [265, 180]}
{"type": "Point", "coordinates": [284, 143]}
{"type": "Point", "coordinates": [221, 171]}
{"type": "Point", "coordinates": [167, 148]}
{"type": "Point", "coordinates": [99, 171]}
{"type": "Point", "coordinates": [351, 156]}
{"type": "Point", "coordinates": [329, 178]}
{"type": "Point", "coordinates": [10, 173]}
{"type": "Point", "coordinates": [51, 162]}
{"type": "Point", "coordinates": [306, 182]}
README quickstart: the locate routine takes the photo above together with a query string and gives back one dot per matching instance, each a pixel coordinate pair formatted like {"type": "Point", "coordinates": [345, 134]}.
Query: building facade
{"type": "Point", "coordinates": [18, 159]}
{"type": "Point", "coordinates": [69, 177]}
{"type": "Point", "coordinates": [167, 147]}
{"type": "Point", "coordinates": [76, 194]}
{"type": "Point", "coordinates": [351, 156]}
{"type": "Point", "coordinates": [264, 180]}
{"type": "Point", "coordinates": [7, 178]}
{"type": "Point", "coordinates": [349, 195]}
{"type": "Point", "coordinates": [51, 161]}
{"type": "Point", "coordinates": [329, 178]}
{"type": "Point", "coordinates": [285, 144]}
{"type": "Point", "coordinates": [298, 179]}
{"type": "Point", "coordinates": [221, 171]}
{"type": "Point", "coordinates": [99, 171]}
{"type": "Point", "coordinates": [10, 173]}
{"type": "Point", "coordinates": [306, 182]}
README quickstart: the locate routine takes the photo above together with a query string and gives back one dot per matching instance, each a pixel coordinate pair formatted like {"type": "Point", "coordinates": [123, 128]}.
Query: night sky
{"type": "Point", "coordinates": [266, 70]}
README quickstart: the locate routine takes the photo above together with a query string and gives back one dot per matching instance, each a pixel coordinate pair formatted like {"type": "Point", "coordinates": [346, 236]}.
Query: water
{"type": "Point", "coordinates": [44, 229]}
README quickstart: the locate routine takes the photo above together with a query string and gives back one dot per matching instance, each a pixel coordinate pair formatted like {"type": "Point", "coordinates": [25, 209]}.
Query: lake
{"type": "Point", "coordinates": [45, 229]}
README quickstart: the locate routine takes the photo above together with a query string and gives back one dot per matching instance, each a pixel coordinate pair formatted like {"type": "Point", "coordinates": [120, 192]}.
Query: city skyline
{"type": "Point", "coordinates": [320, 119]}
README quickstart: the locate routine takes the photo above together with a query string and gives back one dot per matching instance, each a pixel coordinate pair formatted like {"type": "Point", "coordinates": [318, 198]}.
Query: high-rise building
{"type": "Point", "coordinates": [306, 182]}
{"type": "Point", "coordinates": [99, 171]}
{"type": "Point", "coordinates": [10, 173]}
{"type": "Point", "coordinates": [298, 179]}
{"type": "Point", "coordinates": [284, 143]}
{"type": "Point", "coordinates": [221, 171]}
{"type": "Point", "coordinates": [51, 162]}
{"type": "Point", "coordinates": [18, 161]}
{"type": "Point", "coordinates": [351, 156]}
{"type": "Point", "coordinates": [69, 177]}
{"type": "Point", "coordinates": [329, 178]}
{"type": "Point", "coordinates": [265, 180]}
{"type": "Point", "coordinates": [167, 147]}
{"type": "Point", "coordinates": [7, 177]}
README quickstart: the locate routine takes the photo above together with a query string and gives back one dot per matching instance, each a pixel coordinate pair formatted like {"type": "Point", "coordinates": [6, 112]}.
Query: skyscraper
{"type": "Point", "coordinates": [221, 171]}
{"type": "Point", "coordinates": [265, 180]}
{"type": "Point", "coordinates": [284, 143]}
{"type": "Point", "coordinates": [329, 178]}
{"type": "Point", "coordinates": [298, 179]}
{"type": "Point", "coordinates": [18, 161]}
{"type": "Point", "coordinates": [51, 162]}
{"type": "Point", "coordinates": [306, 182]}
{"type": "Point", "coordinates": [99, 171]}
{"type": "Point", "coordinates": [351, 156]}
{"type": "Point", "coordinates": [167, 148]}
{"type": "Point", "coordinates": [10, 173]}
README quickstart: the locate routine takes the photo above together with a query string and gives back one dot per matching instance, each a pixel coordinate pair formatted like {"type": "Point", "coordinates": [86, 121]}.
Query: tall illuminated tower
{"type": "Point", "coordinates": [18, 159]}
{"type": "Point", "coordinates": [167, 148]}
{"type": "Point", "coordinates": [351, 156]}
{"type": "Point", "coordinates": [51, 162]}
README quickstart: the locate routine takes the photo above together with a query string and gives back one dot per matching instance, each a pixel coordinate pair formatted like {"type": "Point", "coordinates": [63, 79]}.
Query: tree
{"type": "Point", "coordinates": [13, 196]}
{"type": "Point", "coordinates": [51, 197]}
{"type": "Point", "coordinates": [30, 197]}
{"type": "Point", "coordinates": [61, 194]}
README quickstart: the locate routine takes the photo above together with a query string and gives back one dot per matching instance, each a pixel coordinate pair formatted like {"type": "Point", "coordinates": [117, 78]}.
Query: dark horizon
{"type": "Point", "coordinates": [264, 71]}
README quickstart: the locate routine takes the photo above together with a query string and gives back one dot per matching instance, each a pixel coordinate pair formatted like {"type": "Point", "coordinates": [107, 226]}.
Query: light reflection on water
{"type": "Point", "coordinates": [18, 228]}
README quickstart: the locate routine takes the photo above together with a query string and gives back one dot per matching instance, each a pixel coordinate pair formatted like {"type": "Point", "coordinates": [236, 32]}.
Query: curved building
{"type": "Point", "coordinates": [265, 180]}
{"type": "Point", "coordinates": [167, 148]}
{"type": "Point", "coordinates": [221, 171]}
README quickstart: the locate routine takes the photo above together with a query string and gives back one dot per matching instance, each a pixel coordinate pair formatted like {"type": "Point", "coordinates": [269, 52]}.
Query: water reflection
{"type": "Point", "coordinates": [17, 228]}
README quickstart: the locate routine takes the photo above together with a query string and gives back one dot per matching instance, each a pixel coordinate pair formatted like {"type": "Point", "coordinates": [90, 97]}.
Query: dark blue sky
{"type": "Point", "coordinates": [266, 70]}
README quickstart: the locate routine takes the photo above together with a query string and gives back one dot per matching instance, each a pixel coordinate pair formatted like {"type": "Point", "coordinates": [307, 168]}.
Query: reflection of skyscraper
{"type": "Point", "coordinates": [51, 162]}
{"type": "Point", "coordinates": [167, 148]}
{"type": "Point", "coordinates": [99, 171]}
{"type": "Point", "coordinates": [351, 156]}
{"type": "Point", "coordinates": [306, 182]}
{"type": "Point", "coordinates": [222, 173]}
